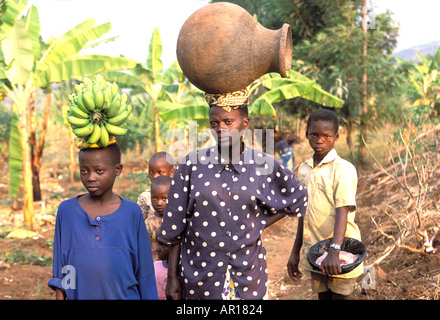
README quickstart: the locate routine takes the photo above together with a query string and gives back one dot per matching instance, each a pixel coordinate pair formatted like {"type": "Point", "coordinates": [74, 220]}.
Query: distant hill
{"type": "Point", "coordinates": [424, 49]}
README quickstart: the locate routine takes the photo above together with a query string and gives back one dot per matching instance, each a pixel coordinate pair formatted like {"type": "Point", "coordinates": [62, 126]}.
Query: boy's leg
{"type": "Point", "coordinates": [318, 282]}
{"type": "Point", "coordinates": [327, 295]}
{"type": "Point", "coordinates": [342, 288]}
{"type": "Point", "coordinates": [331, 288]}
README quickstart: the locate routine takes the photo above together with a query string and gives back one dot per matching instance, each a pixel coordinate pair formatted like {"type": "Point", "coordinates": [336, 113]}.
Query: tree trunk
{"type": "Point", "coordinates": [33, 148]}
{"type": "Point", "coordinates": [364, 108]}
{"type": "Point", "coordinates": [28, 202]}
{"type": "Point", "coordinates": [349, 138]}
{"type": "Point", "coordinates": [37, 147]}
{"type": "Point", "coordinates": [42, 139]}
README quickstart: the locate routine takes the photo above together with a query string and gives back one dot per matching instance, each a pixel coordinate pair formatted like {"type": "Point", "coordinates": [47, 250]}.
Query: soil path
{"type": "Point", "coordinates": [29, 282]}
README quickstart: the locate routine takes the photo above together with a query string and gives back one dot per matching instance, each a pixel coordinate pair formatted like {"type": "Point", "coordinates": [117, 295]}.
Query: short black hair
{"type": "Point", "coordinates": [244, 111]}
{"type": "Point", "coordinates": [323, 115]}
{"type": "Point", "coordinates": [113, 149]}
{"type": "Point", "coordinates": [161, 181]}
{"type": "Point", "coordinates": [161, 155]}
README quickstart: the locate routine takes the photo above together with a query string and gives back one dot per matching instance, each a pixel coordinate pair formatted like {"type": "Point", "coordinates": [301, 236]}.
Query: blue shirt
{"type": "Point", "coordinates": [105, 258]}
{"type": "Point", "coordinates": [218, 210]}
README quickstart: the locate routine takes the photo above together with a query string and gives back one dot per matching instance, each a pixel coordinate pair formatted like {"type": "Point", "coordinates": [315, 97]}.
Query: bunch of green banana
{"type": "Point", "coordinates": [98, 111]}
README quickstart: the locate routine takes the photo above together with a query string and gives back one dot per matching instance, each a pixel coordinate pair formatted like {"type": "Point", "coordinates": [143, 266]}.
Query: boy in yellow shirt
{"type": "Point", "coordinates": [331, 183]}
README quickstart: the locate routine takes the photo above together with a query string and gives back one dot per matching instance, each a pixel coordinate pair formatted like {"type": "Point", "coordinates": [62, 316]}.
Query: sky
{"type": "Point", "coordinates": [418, 20]}
{"type": "Point", "coordinates": [132, 20]}
{"type": "Point", "coordinates": [135, 20]}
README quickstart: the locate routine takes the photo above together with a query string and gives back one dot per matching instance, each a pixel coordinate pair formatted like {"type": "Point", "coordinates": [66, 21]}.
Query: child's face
{"type": "Point", "coordinates": [162, 250]}
{"type": "Point", "coordinates": [322, 137]}
{"type": "Point", "coordinates": [98, 172]}
{"type": "Point", "coordinates": [159, 195]}
{"type": "Point", "coordinates": [159, 167]}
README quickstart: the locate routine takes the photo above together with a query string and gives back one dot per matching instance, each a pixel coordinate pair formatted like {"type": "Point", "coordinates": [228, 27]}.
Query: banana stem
{"type": "Point", "coordinates": [97, 117]}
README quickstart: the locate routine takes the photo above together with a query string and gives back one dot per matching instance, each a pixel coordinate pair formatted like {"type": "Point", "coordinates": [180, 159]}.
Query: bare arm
{"type": "Point", "coordinates": [174, 288]}
{"type": "Point", "coordinates": [331, 264]}
{"type": "Point", "coordinates": [59, 294]}
{"type": "Point", "coordinates": [293, 262]}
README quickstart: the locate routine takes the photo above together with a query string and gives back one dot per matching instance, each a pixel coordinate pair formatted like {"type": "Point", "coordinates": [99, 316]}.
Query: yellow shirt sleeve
{"type": "Point", "coordinates": [345, 185]}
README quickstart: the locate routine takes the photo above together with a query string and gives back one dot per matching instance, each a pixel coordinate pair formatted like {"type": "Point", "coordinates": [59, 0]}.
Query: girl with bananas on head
{"type": "Point", "coordinates": [100, 238]}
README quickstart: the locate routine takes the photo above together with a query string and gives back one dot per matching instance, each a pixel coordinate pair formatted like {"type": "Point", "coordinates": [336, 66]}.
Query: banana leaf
{"type": "Point", "coordinates": [15, 158]}
{"type": "Point", "coordinates": [32, 25]}
{"type": "Point", "coordinates": [172, 74]}
{"type": "Point", "coordinates": [174, 112]}
{"type": "Point", "coordinates": [17, 52]}
{"type": "Point", "coordinates": [110, 63]}
{"type": "Point", "coordinates": [153, 61]}
{"type": "Point", "coordinates": [295, 85]}
{"type": "Point", "coordinates": [123, 79]}
{"type": "Point", "coordinates": [63, 50]}
{"type": "Point", "coordinates": [435, 60]}
{"type": "Point", "coordinates": [99, 42]}
{"type": "Point", "coordinates": [75, 31]}
{"type": "Point", "coordinates": [11, 14]}
{"type": "Point", "coordinates": [78, 67]}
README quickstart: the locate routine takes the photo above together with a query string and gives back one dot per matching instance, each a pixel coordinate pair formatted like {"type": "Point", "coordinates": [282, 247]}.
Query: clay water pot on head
{"type": "Point", "coordinates": [221, 48]}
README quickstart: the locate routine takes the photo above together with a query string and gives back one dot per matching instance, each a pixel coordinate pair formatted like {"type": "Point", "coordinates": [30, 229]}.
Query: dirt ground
{"type": "Point", "coordinates": [400, 276]}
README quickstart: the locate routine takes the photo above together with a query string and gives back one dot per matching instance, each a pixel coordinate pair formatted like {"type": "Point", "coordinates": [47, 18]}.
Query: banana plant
{"type": "Point", "coordinates": [152, 76]}
{"type": "Point", "coordinates": [28, 64]}
{"type": "Point", "coordinates": [279, 89]}
{"type": "Point", "coordinates": [182, 101]}
{"type": "Point", "coordinates": [424, 81]}
{"type": "Point", "coordinates": [168, 98]}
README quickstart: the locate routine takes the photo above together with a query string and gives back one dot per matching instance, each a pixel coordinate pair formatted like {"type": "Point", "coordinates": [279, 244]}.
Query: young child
{"type": "Point", "coordinates": [161, 269]}
{"type": "Point", "coordinates": [157, 166]}
{"type": "Point", "coordinates": [159, 195]}
{"type": "Point", "coordinates": [101, 248]}
{"type": "Point", "coordinates": [331, 183]}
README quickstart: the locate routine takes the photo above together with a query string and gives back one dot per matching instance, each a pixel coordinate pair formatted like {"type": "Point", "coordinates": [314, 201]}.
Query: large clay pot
{"type": "Point", "coordinates": [221, 48]}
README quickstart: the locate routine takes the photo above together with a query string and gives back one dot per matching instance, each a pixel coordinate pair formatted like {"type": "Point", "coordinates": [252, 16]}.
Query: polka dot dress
{"type": "Point", "coordinates": [217, 210]}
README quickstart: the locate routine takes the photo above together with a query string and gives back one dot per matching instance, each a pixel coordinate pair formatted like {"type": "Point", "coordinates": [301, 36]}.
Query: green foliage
{"type": "Point", "coordinates": [26, 63]}
{"type": "Point", "coordinates": [3, 8]}
{"type": "Point", "coordinates": [24, 256]}
{"type": "Point", "coordinates": [139, 181]}
{"type": "Point", "coordinates": [307, 18]}
{"type": "Point", "coordinates": [15, 158]}
{"type": "Point", "coordinates": [18, 54]}
{"type": "Point", "coordinates": [5, 124]}
{"type": "Point", "coordinates": [161, 100]}
{"type": "Point", "coordinates": [153, 61]}
{"type": "Point", "coordinates": [294, 85]}
{"type": "Point", "coordinates": [422, 82]}
{"type": "Point", "coordinates": [327, 48]}
{"type": "Point", "coordinates": [414, 134]}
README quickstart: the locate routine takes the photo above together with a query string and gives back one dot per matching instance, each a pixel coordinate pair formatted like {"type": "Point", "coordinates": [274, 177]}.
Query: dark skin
{"type": "Point", "coordinates": [159, 167]}
{"type": "Point", "coordinates": [98, 174]}
{"type": "Point", "coordinates": [226, 127]}
{"type": "Point", "coordinates": [322, 136]}
{"type": "Point", "coordinates": [159, 195]}
{"type": "Point", "coordinates": [163, 251]}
